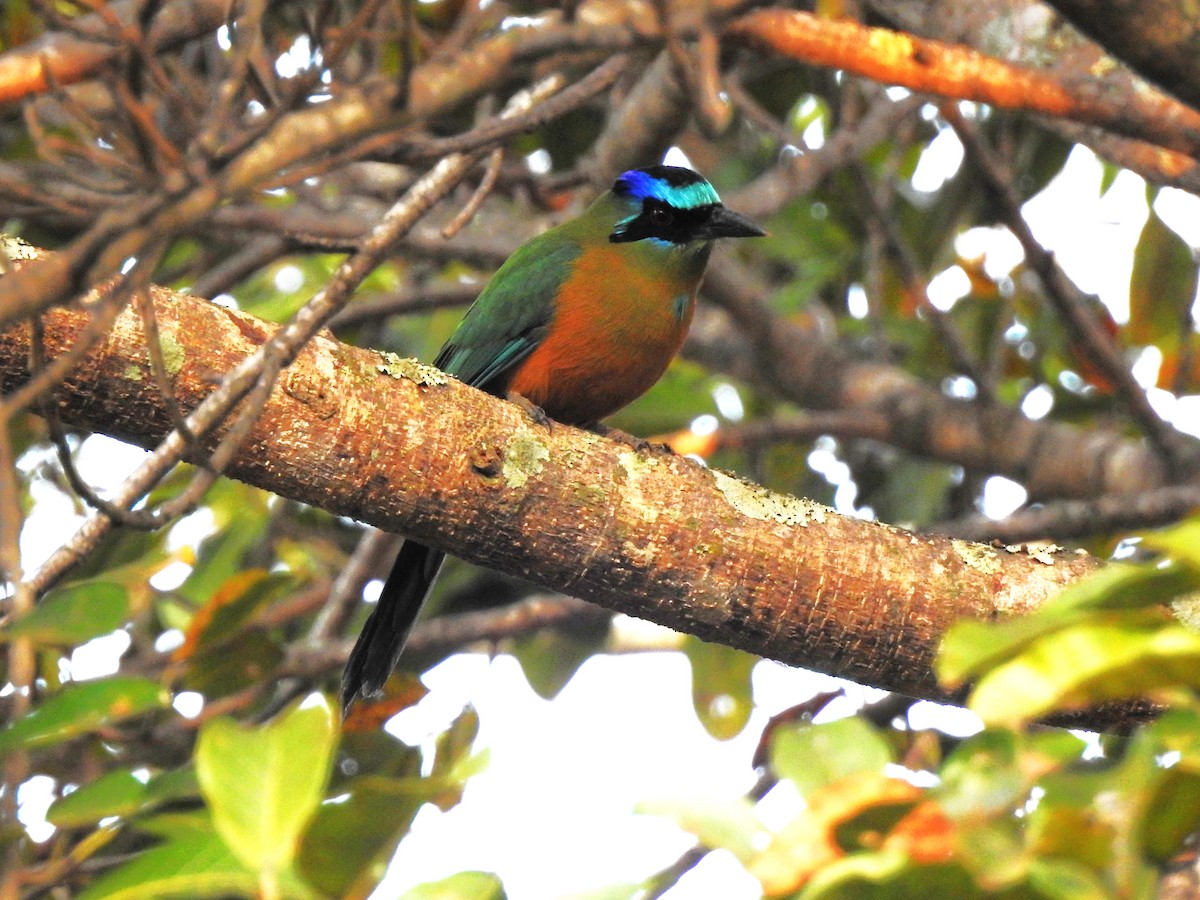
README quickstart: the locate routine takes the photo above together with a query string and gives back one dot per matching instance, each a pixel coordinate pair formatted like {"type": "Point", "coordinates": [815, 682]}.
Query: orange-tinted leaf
{"type": "Point", "coordinates": [1180, 369]}
{"type": "Point", "coordinates": [688, 443]}
{"type": "Point", "coordinates": [926, 835]}
{"type": "Point", "coordinates": [810, 842]}
{"type": "Point", "coordinates": [370, 715]}
{"type": "Point", "coordinates": [234, 602]}
{"type": "Point", "coordinates": [983, 286]}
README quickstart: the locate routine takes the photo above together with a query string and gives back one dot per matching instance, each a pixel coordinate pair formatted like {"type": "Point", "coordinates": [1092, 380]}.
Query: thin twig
{"type": "Point", "coordinates": [256, 374]}
{"type": "Point", "coordinates": [1073, 519]}
{"type": "Point", "coordinates": [490, 173]}
{"type": "Point", "coordinates": [344, 596]}
{"type": "Point", "coordinates": [411, 300]}
{"type": "Point", "coordinates": [483, 137]}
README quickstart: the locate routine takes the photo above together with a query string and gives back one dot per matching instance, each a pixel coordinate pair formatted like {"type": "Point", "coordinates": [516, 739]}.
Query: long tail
{"type": "Point", "coordinates": [387, 628]}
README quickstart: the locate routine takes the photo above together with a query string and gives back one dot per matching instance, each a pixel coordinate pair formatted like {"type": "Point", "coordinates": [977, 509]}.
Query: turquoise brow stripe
{"type": "Point", "coordinates": [687, 196]}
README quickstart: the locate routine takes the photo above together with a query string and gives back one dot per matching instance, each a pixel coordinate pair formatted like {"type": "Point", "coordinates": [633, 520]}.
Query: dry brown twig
{"type": "Point", "coordinates": [251, 382]}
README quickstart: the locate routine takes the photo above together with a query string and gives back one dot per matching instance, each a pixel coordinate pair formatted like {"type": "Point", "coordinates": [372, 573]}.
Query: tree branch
{"type": "Point", "coordinates": [1051, 458]}
{"type": "Point", "coordinates": [661, 537]}
{"type": "Point", "coordinates": [60, 58]}
{"type": "Point", "coordinates": [893, 57]}
{"type": "Point", "coordinates": [1159, 39]}
{"type": "Point", "coordinates": [1026, 32]}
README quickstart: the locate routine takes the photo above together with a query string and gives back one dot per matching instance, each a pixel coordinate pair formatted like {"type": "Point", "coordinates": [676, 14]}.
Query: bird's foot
{"type": "Point", "coordinates": [624, 437]}
{"type": "Point", "coordinates": [530, 408]}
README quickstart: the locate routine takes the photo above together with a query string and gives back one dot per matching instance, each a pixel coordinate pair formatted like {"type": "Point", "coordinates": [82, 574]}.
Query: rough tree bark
{"type": "Point", "coordinates": [1160, 39]}
{"type": "Point", "coordinates": [403, 447]}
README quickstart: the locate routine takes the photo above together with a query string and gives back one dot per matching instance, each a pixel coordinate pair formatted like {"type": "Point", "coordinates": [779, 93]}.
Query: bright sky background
{"type": "Point", "coordinates": [553, 815]}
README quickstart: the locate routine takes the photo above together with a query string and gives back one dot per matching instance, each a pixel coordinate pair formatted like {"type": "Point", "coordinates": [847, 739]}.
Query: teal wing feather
{"type": "Point", "coordinates": [512, 315]}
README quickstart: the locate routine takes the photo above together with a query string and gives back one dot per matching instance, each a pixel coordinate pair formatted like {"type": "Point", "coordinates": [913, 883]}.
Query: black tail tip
{"type": "Point", "coordinates": [355, 688]}
{"type": "Point", "coordinates": [347, 697]}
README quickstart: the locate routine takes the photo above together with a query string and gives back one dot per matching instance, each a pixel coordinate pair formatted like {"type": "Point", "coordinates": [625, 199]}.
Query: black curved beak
{"type": "Point", "coordinates": [725, 223]}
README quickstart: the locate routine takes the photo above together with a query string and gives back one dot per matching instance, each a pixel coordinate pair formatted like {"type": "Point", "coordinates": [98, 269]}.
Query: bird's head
{"type": "Point", "coordinates": [673, 208]}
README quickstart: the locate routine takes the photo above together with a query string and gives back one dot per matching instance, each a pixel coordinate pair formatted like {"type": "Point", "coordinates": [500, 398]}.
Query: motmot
{"type": "Point", "coordinates": [579, 321]}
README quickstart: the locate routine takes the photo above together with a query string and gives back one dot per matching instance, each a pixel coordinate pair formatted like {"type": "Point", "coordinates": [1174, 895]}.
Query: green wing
{"type": "Point", "coordinates": [512, 315]}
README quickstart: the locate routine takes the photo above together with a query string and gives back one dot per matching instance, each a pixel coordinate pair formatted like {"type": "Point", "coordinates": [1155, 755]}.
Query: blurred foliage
{"type": "Point", "coordinates": [168, 782]}
{"type": "Point", "coordinates": [1016, 810]}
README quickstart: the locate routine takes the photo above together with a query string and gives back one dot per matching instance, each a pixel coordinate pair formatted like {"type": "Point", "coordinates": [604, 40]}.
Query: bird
{"type": "Point", "coordinates": [579, 321]}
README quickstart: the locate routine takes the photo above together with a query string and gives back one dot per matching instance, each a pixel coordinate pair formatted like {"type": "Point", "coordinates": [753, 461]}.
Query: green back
{"type": "Point", "coordinates": [512, 315]}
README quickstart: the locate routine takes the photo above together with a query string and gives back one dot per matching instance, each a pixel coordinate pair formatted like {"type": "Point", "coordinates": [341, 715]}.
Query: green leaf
{"type": "Point", "coordinates": [380, 753]}
{"type": "Point", "coordinates": [1178, 730]}
{"type": "Point", "coordinates": [725, 824]}
{"type": "Point", "coordinates": [238, 600]}
{"type": "Point", "coordinates": [971, 648]}
{"type": "Point", "coordinates": [915, 491]}
{"type": "Point", "coordinates": [173, 785]}
{"type": "Point", "coordinates": [115, 793]}
{"type": "Point", "coordinates": [812, 756]}
{"type": "Point", "coordinates": [243, 510]}
{"type": "Point", "coordinates": [1172, 812]}
{"type": "Point", "coordinates": [263, 784]}
{"type": "Point", "coordinates": [1162, 284]}
{"type": "Point", "coordinates": [721, 690]}
{"type": "Point", "coordinates": [455, 743]}
{"type": "Point", "coordinates": [178, 825]}
{"type": "Point", "coordinates": [239, 662]}
{"type": "Point", "coordinates": [74, 614]}
{"type": "Point", "coordinates": [120, 793]}
{"type": "Point", "coordinates": [994, 849]}
{"type": "Point", "coordinates": [684, 392]}
{"type": "Point", "coordinates": [260, 296]}
{"type": "Point", "coordinates": [82, 707]}
{"type": "Point", "coordinates": [1088, 663]}
{"type": "Point", "coordinates": [615, 891]}
{"type": "Point", "coordinates": [463, 886]}
{"type": "Point", "coordinates": [1108, 174]}
{"type": "Point", "coordinates": [1064, 879]}
{"type": "Point", "coordinates": [1119, 586]}
{"type": "Point", "coordinates": [127, 557]}
{"type": "Point", "coordinates": [550, 658]}
{"type": "Point", "coordinates": [192, 862]}
{"type": "Point", "coordinates": [1094, 815]}
{"type": "Point", "coordinates": [1180, 542]}
{"type": "Point", "coordinates": [347, 845]}
{"type": "Point", "coordinates": [200, 866]}
{"type": "Point", "coordinates": [982, 776]}
{"type": "Point", "coordinates": [890, 875]}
